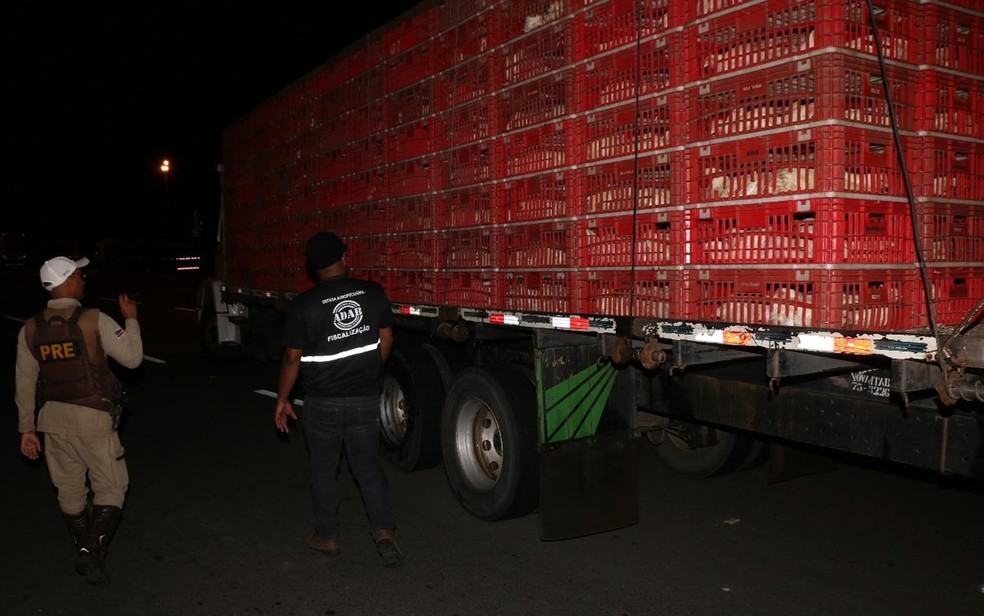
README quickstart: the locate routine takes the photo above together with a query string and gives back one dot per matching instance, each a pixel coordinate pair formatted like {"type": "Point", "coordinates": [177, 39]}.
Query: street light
{"type": "Point", "coordinates": [165, 169]}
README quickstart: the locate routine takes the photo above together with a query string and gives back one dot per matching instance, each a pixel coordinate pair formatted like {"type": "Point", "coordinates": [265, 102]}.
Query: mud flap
{"type": "Point", "coordinates": [589, 486]}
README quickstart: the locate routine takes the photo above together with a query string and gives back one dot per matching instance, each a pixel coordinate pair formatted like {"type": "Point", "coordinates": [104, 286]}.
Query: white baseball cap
{"type": "Point", "coordinates": [56, 271]}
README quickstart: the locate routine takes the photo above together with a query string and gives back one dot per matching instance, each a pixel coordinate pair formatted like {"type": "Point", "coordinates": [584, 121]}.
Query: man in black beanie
{"type": "Point", "coordinates": [338, 336]}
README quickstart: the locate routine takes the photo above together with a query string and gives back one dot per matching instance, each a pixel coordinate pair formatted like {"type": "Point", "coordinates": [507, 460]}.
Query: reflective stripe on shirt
{"type": "Point", "coordinates": [349, 353]}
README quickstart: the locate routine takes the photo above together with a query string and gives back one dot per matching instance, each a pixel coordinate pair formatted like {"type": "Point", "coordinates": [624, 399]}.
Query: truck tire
{"type": "Point", "coordinates": [208, 338]}
{"type": "Point", "coordinates": [489, 440]}
{"type": "Point", "coordinates": [701, 451]}
{"type": "Point", "coordinates": [410, 408]}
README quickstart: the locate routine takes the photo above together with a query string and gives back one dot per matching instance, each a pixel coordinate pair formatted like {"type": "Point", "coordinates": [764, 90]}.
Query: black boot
{"type": "Point", "coordinates": [78, 525]}
{"type": "Point", "coordinates": [101, 529]}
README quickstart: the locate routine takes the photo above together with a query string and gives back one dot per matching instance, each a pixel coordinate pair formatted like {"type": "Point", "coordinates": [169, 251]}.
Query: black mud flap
{"type": "Point", "coordinates": [588, 486]}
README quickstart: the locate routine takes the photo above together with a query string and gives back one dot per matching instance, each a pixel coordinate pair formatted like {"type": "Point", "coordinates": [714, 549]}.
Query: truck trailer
{"type": "Point", "coordinates": [704, 226]}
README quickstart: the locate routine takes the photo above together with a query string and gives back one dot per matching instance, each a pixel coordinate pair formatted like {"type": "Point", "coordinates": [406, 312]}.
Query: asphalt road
{"type": "Point", "coordinates": [218, 512]}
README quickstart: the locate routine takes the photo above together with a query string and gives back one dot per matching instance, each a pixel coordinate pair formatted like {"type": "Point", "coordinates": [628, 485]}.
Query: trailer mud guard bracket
{"type": "Point", "coordinates": [227, 332]}
{"type": "Point", "coordinates": [589, 486]}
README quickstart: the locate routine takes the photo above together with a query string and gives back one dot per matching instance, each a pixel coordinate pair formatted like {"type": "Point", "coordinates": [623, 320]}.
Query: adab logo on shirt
{"type": "Point", "coordinates": [348, 314]}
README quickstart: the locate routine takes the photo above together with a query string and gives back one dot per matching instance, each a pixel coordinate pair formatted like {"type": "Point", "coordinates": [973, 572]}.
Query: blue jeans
{"type": "Point", "coordinates": [352, 424]}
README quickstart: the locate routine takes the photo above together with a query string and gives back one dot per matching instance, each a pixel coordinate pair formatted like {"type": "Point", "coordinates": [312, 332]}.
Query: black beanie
{"type": "Point", "coordinates": [323, 249]}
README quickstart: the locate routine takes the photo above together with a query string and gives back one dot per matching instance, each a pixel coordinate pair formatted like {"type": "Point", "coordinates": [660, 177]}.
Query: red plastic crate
{"type": "Point", "coordinates": [415, 139]}
{"type": "Point", "coordinates": [470, 207]}
{"type": "Point", "coordinates": [538, 291]}
{"type": "Point", "coordinates": [410, 286]}
{"type": "Point", "coordinates": [410, 67]}
{"type": "Point", "coordinates": [543, 51]}
{"type": "Point", "coordinates": [819, 230]}
{"type": "Point", "coordinates": [539, 245]}
{"type": "Point", "coordinates": [623, 75]}
{"type": "Point", "coordinates": [643, 293]}
{"type": "Point", "coordinates": [454, 12]}
{"type": "Point", "coordinates": [303, 172]}
{"type": "Point", "coordinates": [520, 17]}
{"type": "Point", "coordinates": [472, 163]}
{"type": "Point", "coordinates": [333, 128]}
{"type": "Point", "coordinates": [952, 232]}
{"type": "Point", "coordinates": [706, 8]}
{"type": "Point", "coordinates": [363, 186]}
{"type": "Point", "coordinates": [828, 158]}
{"type": "Point", "coordinates": [420, 175]}
{"type": "Point", "coordinates": [358, 123]}
{"type": "Point", "coordinates": [472, 289]}
{"type": "Point", "coordinates": [651, 181]}
{"type": "Point", "coordinates": [871, 300]}
{"type": "Point", "coordinates": [537, 197]}
{"type": "Point", "coordinates": [364, 154]}
{"type": "Point", "coordinates": [476, 248]}
{"type": "Point", "coordinates": [407, 105]}
{"type": "Point", "coordinates": [951, 103]}
{"type": "Point", "coordinates": [543, 100]}
{"type": "Point", "coordinates": [345, 220]}
{"type": "Point", "coordinates": [956, 292]}
{"type": "Point", "coordinates": [463, 82]}
{"type": "Point", "coordinates": [331, 76]}
{"type": "Point", "coordinates": [615, 132]}
{"type": "Point", "coordinates": [357, 62]}
{"type": "Point", "coordinates": [952, 38]}
{"type": "Point", "coordinates": [304, 199]}
{"type": "Point", "coordinates": [467, 33]}
{"type": "Point", "coordinates": [414, 250]}
{"type": "Point", "coordinates": [535, 150]}
{"type": "Point", "coordinates": [624, 240]}
{"type": "Point", "coordinates": [417, 213]}
{"type": "Point", "coordinates": [334, 191]}
{"type": "Point", "coordinates": [612, 24]}
{"type": "Point", "coordinates": [361, 250]}
{"type": "Point", "coordinates": [761, 32]}
{"type": "Point", "coordinates": [830, 86]}
{"type": "Point", "coordinates": [949, 168]}
{"type": "Point", "coordinates": [333, 163]}
{"type": "Point", "coordinates": [410, 32]}
{"type": "Point", "coordinates": [473, 121]}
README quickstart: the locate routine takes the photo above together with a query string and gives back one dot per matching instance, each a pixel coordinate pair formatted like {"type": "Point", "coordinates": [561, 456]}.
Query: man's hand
{"type": "Point", "coordinates": [30, 445]}
{"type": "Point", "coordinates": [128, 307]}
{"type": "Point", "coordinates": [284, 410]}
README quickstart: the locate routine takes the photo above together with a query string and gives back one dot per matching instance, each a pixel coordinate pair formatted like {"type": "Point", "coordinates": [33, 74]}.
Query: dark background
{"type": "Point", "coordinates": [96, 95]}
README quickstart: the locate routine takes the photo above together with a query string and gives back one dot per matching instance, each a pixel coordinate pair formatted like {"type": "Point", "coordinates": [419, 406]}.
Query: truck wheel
{"type": "Point", "coordinates": [410, 408]}
{"type": "Point", "coordinates": [208, 337]}
{"type": "Point", "coordinates": [489, 439]}
{"type": "Point", "coordinates": [702, 451]}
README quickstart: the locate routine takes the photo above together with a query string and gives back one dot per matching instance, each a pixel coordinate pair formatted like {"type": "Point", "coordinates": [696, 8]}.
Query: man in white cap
{"type": "Point", "coordinates": [66, 390]}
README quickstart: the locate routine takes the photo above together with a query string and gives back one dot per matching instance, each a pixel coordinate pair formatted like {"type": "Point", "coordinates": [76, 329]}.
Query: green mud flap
{"type": "Point", "coordinates": [588, 486]}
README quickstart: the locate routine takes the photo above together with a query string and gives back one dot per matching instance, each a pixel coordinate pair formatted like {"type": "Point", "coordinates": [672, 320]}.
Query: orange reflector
{"type": "Point", "coordinates": [861, 346]}
{"type": "Point", "coordinates": [737, 337]}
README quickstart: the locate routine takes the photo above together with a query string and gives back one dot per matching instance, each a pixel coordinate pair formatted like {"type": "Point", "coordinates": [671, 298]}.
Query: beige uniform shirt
{"type": "Point", "coordinates": [122, 344]}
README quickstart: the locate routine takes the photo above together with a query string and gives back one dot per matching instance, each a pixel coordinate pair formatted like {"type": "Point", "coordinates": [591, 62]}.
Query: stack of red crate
{"type": "Point", "coordinates": [721, 160]}
{"type": "Point", "coordinates": [793, 172]}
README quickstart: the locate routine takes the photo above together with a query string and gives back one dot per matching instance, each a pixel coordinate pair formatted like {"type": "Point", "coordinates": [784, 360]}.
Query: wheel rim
{"type": "Point", "coordinates": [479, 445]}
{"type": "Point", "coordinates": [392, 412]}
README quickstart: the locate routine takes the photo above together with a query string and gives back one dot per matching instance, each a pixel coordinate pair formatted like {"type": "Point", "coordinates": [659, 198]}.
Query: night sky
{"type": "Point", "coordinates": [97, 94]}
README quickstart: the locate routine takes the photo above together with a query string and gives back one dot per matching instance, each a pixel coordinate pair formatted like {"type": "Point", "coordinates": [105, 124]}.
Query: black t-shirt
{"type": "Point", "coordinates": [336, 325]}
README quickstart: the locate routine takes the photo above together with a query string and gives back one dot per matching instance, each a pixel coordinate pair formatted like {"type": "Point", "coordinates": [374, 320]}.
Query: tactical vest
{"type": "Point", "coordinates": [73, 366]}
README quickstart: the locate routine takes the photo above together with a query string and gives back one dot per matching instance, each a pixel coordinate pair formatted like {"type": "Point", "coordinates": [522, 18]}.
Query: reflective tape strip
{"type": "Point", "coordinates": [343, 354]}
